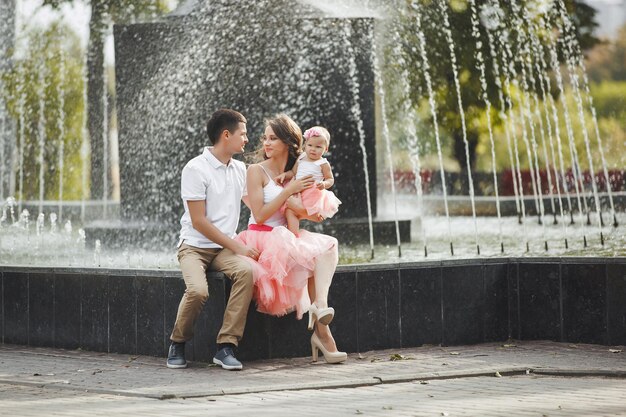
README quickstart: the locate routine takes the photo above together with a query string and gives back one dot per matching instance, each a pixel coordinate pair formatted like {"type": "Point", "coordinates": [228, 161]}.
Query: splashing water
{"type": "Point", "coordinates": [446, 28]}
{"type": "Point", "coordinates": [41, 129]}
{"type": "Point", "coordinates": [387, 140]}
{"type": "Point", "coordinates": [480, 63]}
{"type": "Point", "coordinates": [413, 143]}
{"type": "Point", "coordinates": [40, 224]}
{"type": "Point", "coordinates": [96, 253]}
{"type": "Point", "coordinates": [573, 76]}
{"type": "Point", "coordinates": [356, 114]}
{"type": "Point", "coordinates": [53, 223]}
{"type": "Point", "coordinates": [530, 141]}
{"type": "Point", "coordinates": [520, 73]}
{"type": "Point", "coordinates": [433, 110]}
{"type": "Point", "coordinates": [490, 16]}
{"type": "Point", "coordinates": [550, 109]}
{"type": "Point", "coordinates": [61, 126]}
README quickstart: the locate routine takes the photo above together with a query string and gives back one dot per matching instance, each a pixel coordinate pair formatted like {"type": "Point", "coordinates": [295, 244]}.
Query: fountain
{"type": "Point", "coordinates": [472, 272]}
{"type": "Point", "coordinates": [163, 105]}
{"type": "Point", "coordinates": [7, 144]}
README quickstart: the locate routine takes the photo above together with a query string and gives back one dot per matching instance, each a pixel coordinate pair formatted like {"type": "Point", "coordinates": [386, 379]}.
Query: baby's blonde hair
{"type": "Point", "coordinates": [318, 131]}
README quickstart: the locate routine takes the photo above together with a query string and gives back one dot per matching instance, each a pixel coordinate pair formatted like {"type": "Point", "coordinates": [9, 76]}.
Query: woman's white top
{"type": "Point", "coordinates": [271, 190]}
{"type": "Point", "coordinates": [313, 168]}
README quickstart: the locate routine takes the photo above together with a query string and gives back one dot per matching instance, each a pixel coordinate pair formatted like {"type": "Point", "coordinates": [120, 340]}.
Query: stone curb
{"type": "Point", "coordinates": [422, 378]}
{"type": "Point", "coordinates": [577, 373]}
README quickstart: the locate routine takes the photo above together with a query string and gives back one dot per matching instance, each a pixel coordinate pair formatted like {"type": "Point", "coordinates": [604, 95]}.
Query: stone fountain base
{"type": "Point", "coordinates": [349, 231]}
{"type": "Point", "coordinates": [456, 302]}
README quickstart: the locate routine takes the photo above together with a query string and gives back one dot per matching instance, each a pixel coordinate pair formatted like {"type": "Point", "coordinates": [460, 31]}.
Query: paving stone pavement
{"type": "Point", "coordinates": [536, 378]}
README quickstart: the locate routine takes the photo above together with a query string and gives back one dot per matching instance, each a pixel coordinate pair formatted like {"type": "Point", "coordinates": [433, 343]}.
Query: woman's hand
{"type": "Point", "coordinates": [302, 184]}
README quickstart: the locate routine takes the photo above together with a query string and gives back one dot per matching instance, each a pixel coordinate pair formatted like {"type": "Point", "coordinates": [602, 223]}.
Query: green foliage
{"type": "Point", "coordinates": [103, 13]}
{"type": "Point", "coordinates": [610, 102]}
{"type": "Point", "coordinates": [49, 52]}
{"type": "Point", "coordinates": [610, 99]}
{"type": "Point", "coordinates": [474, 107]}
{"type": "Point", "coordinates": [583, 17]}
{"type": "Point", "coordinates": [607, 61]}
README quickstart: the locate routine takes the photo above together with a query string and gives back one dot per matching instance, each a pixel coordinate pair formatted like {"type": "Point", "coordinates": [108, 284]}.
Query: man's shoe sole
{"type": "Point", "coordinates": [176, 366]}
{"type": "Point", "coordinates": [227, 367]}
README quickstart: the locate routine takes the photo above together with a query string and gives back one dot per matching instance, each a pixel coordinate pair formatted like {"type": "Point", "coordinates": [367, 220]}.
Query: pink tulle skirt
{"type": "Point", "coordinates": [284, 266]}
{"type": "Point", "coordinates": [317, 201]}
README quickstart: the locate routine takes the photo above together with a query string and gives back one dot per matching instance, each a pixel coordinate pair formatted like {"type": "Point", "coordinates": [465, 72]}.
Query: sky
{"type": "Point", "coordinates": [75, 14]}
{"type": "Point", "coordinates": [612, 14]}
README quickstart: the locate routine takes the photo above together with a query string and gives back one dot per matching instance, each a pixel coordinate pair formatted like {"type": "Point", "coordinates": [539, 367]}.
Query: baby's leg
{"type": "Point", "coordinates": [293, 223]}
{"type": "Point", "coordinates": [296, 200]}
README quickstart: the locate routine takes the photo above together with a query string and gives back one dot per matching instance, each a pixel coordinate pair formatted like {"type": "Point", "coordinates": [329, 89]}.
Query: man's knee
{"type": "Point", "coordinates": [242, 274]}
{"type": "Point", "coordinates": [198, 292]}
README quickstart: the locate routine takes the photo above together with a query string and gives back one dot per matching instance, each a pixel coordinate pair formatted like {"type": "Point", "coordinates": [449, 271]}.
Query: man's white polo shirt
{"type": "Point", "coordinates": [221, 187]}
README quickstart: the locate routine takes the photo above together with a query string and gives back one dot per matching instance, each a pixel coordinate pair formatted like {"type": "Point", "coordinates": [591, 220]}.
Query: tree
{"type": "Point", "coordinates": [441, 71]}
{"type": "Point", "coordinates": [103, 14]}
{"type": "Point", "coordinates": [607, 61]}
{"type": "Point", "coordinates": [54, 59]}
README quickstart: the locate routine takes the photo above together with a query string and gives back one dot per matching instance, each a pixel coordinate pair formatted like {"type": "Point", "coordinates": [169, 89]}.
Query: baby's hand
{"type": "Point", "coordinates": [280, 179]}
{"type": "Point", "coordinates": [321, 185]}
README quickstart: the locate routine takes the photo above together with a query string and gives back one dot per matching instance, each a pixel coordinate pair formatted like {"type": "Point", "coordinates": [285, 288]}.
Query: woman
{"type": "Point", "coordinates": [291, 273]}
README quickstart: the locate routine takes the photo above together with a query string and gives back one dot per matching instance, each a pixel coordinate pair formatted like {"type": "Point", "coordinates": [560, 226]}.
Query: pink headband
{"type": "Point", "coordinates": [313, 132]}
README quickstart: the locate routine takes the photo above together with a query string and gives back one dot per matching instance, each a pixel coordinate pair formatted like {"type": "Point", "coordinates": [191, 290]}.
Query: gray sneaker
{"type": "Point", "coordinates": [226, 358]}
{"type": "Point", "coordinates": [176, 356]}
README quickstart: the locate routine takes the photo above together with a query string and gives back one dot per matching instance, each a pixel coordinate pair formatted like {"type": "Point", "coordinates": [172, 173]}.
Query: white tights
{"type": "Point", "coordinates": [323, 277]}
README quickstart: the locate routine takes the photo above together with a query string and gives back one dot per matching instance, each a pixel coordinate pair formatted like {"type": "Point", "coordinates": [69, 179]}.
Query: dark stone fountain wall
{"type": "Point", "coordinates": [172, 75]}
{"type": "Point", "coordinates": [576, 300]}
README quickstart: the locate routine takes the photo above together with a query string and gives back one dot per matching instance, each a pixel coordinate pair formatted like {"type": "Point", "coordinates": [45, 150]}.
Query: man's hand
{"type": "Point", "coordinates": [246, 251]}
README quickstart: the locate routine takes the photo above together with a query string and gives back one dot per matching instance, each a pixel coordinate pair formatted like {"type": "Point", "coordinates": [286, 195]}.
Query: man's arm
{"type": "Point", "coordinates": [199, 221]}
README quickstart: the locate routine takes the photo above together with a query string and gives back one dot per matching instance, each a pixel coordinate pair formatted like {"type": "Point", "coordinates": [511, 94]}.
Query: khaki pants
{"type": "Point", "coordinates": [194, 263]}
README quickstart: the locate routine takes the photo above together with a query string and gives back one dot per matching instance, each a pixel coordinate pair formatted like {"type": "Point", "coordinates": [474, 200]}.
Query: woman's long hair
{"type": "Point", "coordinates": [289, 133]}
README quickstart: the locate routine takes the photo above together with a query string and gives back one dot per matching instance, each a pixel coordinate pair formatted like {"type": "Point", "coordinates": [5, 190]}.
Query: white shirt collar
{"type": "Point", "coordinates": [215, 163]}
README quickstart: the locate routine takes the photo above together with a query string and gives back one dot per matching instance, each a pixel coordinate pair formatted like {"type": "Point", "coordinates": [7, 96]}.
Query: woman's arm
{"type": "Point", "coordinates": [329, 180]}
{"type": "Point", "coordinates": [260, 210]}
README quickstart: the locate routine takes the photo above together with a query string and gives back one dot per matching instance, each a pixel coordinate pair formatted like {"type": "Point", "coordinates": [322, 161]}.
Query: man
{"type": "Point", "coordinates": [212, 185]}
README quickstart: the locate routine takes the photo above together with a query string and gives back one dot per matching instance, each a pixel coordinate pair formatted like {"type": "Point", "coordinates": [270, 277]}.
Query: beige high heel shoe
{"type": "Point", "coordinates": [323, 315]}
{"type": "Point", "coordinates": [329, 357]}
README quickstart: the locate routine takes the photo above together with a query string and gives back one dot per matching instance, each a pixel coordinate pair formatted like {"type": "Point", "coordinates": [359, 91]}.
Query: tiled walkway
{"type": "Point", "coordinates": [524, 378]}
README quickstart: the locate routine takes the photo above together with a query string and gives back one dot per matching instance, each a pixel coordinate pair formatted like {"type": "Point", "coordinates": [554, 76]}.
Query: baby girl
{"type": "Point", "coordinates": [317, 200]}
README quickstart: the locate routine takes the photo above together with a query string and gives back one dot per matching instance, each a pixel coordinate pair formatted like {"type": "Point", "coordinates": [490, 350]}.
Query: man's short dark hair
{"type": "Point", "coordinates": [223, 119]}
